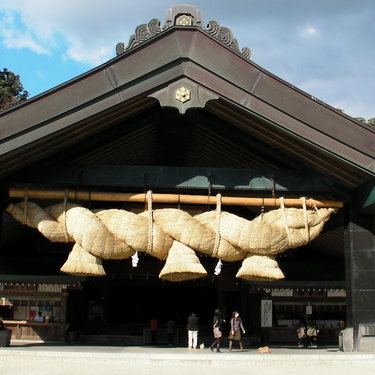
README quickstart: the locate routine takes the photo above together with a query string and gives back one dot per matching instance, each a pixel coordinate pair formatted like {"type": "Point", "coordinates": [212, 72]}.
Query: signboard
{"type": "Point", "coordinates": [282, 293]}
{"type": "Point", "coordinates": [49, 288]}
{"type": "Point", "coordinates": [308, 310]}
{"type": "Point", "coordinates": [336, 293]}
{"type": "Point", "coordinates": [19, 288]}
{"type": "Point", "coordinates": [266, 313]}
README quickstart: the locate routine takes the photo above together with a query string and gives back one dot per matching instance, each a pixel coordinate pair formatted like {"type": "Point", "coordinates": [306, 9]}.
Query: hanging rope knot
{"type": "Point", "coordinates": [174, 234]}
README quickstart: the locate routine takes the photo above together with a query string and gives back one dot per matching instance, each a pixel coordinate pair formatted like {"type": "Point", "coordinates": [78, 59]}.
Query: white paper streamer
{"type": "Point", "coordinates": [218, 267]}
{"type": "Point", "coordinates": [135, 259]}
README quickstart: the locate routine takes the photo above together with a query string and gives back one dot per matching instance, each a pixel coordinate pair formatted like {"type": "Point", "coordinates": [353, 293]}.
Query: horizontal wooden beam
{"type": "Point", "coordinates": [165, 198]}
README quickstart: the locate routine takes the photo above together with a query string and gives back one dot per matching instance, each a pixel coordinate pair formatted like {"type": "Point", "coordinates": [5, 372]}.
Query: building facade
{"type": "Point", "coordinates": [182, 119]}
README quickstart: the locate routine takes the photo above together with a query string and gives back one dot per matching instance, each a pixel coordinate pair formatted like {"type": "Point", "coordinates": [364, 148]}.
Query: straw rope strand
{"type": "Point", "coordinates": [118, 234]}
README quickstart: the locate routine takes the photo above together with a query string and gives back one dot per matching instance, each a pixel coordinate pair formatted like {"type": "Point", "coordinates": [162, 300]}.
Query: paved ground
{"type": "Point", "coordinates": [52, 359]}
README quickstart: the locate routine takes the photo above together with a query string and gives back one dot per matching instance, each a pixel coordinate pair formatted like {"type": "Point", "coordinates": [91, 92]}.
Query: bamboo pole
{"type": "Point", "coordinates": [165, 198]}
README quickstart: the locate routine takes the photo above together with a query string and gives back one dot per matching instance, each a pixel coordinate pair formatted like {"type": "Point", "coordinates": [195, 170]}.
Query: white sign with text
{"type": "Point", "coordinates": [266, 313]}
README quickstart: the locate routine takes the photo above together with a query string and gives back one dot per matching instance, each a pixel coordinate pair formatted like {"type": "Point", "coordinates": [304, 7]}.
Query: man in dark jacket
{"type": "Point", "coordinates": [192, 328]}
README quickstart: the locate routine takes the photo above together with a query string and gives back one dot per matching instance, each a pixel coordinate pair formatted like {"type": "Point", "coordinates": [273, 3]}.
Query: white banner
{"type": "Point", "coordinates": [266, 313]}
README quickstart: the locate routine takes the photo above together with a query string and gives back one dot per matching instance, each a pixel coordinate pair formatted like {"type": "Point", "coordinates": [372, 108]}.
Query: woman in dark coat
{"type": "Point", "coordinates": [217, 326]}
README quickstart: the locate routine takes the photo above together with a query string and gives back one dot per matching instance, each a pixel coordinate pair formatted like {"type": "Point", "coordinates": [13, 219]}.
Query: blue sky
{"type": "Point", "coordinates": [324, 47]}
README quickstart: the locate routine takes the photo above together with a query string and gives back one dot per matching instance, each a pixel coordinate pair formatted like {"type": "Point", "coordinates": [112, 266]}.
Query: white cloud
{"type": "Point", "coordinates": [14, 37]}
{"type": "Point", "coordinates": [89, 29]}
{"type": "Point", "coordinates": [285, 37]}
{"type": "Point", "coordinates": [325, 85]}
{"type": "Point", "coordinates": [92, 55]}
{"type": "Point", "coordinates": [340, 93]}
{"type": "Point", "coordinates": [40, 74]}
{"type": "Point", "coordinates": [355, 108]}
{"type": "Point", "coordinates": [309, 31]}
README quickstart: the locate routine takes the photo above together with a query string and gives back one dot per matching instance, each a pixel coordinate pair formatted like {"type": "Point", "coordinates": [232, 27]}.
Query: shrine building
{"type": "Point", "coordinates": [180, 176]}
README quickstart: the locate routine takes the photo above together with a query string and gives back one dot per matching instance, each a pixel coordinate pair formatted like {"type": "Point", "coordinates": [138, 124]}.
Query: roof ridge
{"type": "Point", "coordinates": [182, 16]}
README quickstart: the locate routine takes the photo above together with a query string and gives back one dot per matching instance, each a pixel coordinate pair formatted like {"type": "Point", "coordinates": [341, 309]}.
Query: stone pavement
{"type": "Point", "coordinates": [56, 359]}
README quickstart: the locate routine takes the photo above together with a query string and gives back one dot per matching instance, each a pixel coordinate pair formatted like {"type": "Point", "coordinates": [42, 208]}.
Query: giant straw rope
{"type": "Point", "coordinates": [174, 235]}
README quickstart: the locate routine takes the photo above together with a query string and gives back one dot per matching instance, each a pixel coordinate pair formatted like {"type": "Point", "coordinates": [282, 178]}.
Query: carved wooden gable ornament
{"type": "Point", "coordinates": [182, 16]}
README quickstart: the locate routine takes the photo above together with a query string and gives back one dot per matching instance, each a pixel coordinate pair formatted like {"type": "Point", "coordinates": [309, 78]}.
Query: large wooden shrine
{"type": "Point", "coordinates": [182, 176]}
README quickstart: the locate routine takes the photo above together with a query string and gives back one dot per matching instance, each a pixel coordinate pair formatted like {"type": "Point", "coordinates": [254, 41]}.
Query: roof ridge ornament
{"type": "Point", "coordinates": [182, 16]}
{"type": "Point", "coordinates": [142, 33]}
{"type": "Point", "coordinates": [225, 35]}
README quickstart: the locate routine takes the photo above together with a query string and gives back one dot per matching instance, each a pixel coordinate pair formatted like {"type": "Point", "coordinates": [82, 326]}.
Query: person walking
{"type": "Point", "coordinates": [217, 325]}
{"type": "Point", "coordinates": [192, 328]}
{"type": "Point", "coordinates": [236, 327]}
{"type": "Point", "coordinates": [312, 334]}
{"type": "Point", "coordinates": [301, 335]}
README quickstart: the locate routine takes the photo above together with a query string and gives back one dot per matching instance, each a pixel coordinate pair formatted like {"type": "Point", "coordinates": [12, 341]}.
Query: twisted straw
{"type": "Point", "coordinates": [118, 234]}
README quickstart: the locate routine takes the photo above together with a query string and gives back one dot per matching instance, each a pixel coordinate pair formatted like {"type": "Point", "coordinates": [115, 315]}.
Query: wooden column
{"type": "Point", "coordinates": [64, 300]}
{"type": "Point", "coordinates": [4, 201]}
{"type": "Point", "coordinates": [359, 273]}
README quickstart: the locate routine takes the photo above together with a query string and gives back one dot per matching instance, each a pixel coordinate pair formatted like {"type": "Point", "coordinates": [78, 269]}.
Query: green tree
{"type": "Point", "coordinates": [361, 119]}
{"type": "Point", "coordinates": [371, 122]}
{"type": "Point", "coordinates": [11, 89]}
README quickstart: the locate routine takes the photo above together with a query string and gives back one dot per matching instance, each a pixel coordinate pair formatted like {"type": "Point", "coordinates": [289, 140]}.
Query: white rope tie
{"type": "Point", "coordinates": [312, 203]}
{"type": "Point", "coordinates": [66, 235]}
{"type": "Point", "coordinates": [307, 229]}
{"type": "Point", "coordinates": [25, 204]}
{"type": "Point", "coordinates": [150, 222]}
{"type": "Point", "coordinates": [285, 222]}
{"type": "Point", "coordinates": [217, 234]}
{"type": "Point", "coordinates": [262, 211]}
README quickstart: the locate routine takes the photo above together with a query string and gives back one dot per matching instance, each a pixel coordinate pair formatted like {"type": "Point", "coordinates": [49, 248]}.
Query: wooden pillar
{"type": "Point", "coordinates": [107, 285]}
{"type": "Point", "coordinates": [64, 300]}
{"type": "Point", "coordinates": [359, 274]}
{"type": "Point", "coordinates": [4, 201]}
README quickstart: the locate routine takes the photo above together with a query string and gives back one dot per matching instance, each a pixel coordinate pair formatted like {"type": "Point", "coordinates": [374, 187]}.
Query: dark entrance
{"type": "Point", "coordinates": [124, 301]}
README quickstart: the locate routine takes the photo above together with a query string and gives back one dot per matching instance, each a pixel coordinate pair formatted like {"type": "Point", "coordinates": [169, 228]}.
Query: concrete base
{"type": "Point", "coordinates": [5, 336]}
{"type": "Point", "coordinates": [367, 344]}
{"type": "Point", "coordinates": [366, 338]}
{"type": "Point", "coordinates": [346, 343]}
{"type": "Point", "coordinates": [86, 360]}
